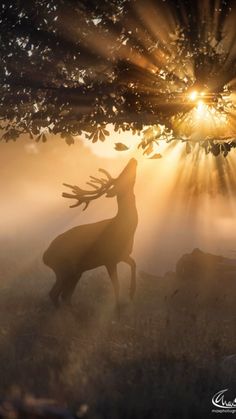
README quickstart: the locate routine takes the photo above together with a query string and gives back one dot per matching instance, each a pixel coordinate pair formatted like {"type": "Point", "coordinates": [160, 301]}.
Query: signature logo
{"type": "Point", "coordinates": [219, 400]}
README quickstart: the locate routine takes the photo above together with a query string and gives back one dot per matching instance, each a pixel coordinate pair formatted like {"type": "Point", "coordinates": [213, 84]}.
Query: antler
{"type": "Point", "coordinates": [101, 186]}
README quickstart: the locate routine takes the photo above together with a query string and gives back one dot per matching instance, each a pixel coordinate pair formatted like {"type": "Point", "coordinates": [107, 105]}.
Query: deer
{"type": "Point", "coordinates": [103, 243]}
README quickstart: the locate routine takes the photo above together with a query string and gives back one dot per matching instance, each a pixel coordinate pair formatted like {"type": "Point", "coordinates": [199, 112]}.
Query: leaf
{"type": "Point", "coordinates": [95, 137]}
{"type": "Point", "coordinates": [188, 148]}
{"type": "Point", "coordinates": [149, 132]}
{"type": "Point", "coordinates": [215, 149]}
{"type": "Point", "coordinates": [156, 156]}
{"type": "Point", "coordinates": [121, 147]}
{"type": "Point", "coordinates": [90, 136]}
{"type": "Point", "coordinates": [152, 132]}
{"type": "Point", "coordinates": [107, 133]}
{"type": "Point", "coordinates": [44, 138]}
{"type": "Point", "coordinates": [101, 136]}
{"type": "Point", "coordinates": [69, 139]}
{"type": "Point", "coordinates": [38, 138]}
{"type": "Point", "coordinates": [149, 149]}
{"type": "Point", "coordinates": [142, 144]}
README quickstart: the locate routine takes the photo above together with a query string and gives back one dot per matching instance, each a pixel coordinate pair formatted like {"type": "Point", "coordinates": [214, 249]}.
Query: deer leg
{"type": "Point", "coordinates": [131, 262]}
{"type": "Point", "coordinates": [68, 288]}
{"type": "Point", "coordinates": [112, 271]}
{"type": "Point", "coordinates": [55, 292]}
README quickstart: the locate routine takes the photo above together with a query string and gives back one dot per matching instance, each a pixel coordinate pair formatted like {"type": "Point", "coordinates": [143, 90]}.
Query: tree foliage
{"type": "Point", "coordinates": [70, 66]}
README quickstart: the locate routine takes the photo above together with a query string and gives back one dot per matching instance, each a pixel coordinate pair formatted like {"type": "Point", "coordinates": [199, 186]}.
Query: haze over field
{"type": "Point", "coordinates": [176, 213]}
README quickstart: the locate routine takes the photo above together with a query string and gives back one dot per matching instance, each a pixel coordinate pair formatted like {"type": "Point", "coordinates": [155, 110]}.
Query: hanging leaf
{"type": "Point", "coordinates": [38, 138]}
{"type": "Point", "coordinates": [215, 149]}
{"type": "Point", "coordinates": [188, 148]}
{"type": "Point", "coordinates": [95, 137]}
{"type": "Point", "coordinates": [101, 136]}
{"type": "Point", "coordinates": [69, 139]}
{"type": "Point", "coordinates": [121, 147]}
{"type": "Point", "coordinates": [156, 156]}
{"type": "Point", "coordinates": [148, 132]}
{"type": "Point", "coordinates": [106, 132]}
{"type": "Point", "coordinates": [148, 149]}
{"type": "Point", "coordinates": [44, 138]}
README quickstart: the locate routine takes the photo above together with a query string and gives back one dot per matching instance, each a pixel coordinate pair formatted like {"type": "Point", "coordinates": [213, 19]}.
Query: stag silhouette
{"type": "Point", "coordinates": [104, 243]}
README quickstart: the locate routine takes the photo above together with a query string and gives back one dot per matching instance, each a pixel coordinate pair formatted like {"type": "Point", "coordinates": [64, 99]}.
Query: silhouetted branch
{"type": "Point", "coordinates": [75, 67]}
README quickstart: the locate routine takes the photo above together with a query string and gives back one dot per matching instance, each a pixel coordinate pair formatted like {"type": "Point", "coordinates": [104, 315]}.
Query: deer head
{"type": "Point", "coordinates": [124, 183]}
{"type": "Point", "coordinates": [107, 186]}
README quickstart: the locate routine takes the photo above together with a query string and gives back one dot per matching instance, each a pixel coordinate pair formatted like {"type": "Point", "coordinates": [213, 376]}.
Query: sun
{"type": "Point", "coordinates": [208, 117]}
{"type": "Point", "coordinates": [195, 95]}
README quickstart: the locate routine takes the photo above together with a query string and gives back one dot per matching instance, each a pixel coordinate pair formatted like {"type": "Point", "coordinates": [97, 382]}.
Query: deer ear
{"type": "Point", "coordinates": [111, 192]}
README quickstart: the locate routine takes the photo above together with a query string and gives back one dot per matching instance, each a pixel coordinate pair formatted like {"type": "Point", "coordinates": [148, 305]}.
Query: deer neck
{"type": "Point", "coordinates": [127, 207]}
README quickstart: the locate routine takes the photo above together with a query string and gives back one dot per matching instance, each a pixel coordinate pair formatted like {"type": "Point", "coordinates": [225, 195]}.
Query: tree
{"type": "Point", "coordinates": [70, 66]}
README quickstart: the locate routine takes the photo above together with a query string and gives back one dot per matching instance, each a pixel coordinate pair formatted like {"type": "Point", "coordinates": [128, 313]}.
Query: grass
{"type": "Point", "coordinates": [160, 358]}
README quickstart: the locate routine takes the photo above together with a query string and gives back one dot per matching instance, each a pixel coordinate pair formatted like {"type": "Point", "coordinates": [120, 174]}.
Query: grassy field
{"type": "Point", "coordinates": [161, 357]}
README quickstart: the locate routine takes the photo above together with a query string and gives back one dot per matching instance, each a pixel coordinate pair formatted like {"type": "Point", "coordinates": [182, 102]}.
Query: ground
{"type": "Point", "coordinates": [160, 357]}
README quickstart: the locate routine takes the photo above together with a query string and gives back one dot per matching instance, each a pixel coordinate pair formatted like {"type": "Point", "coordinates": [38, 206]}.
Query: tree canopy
{"type": "Point", "coordinates": [70, 66]}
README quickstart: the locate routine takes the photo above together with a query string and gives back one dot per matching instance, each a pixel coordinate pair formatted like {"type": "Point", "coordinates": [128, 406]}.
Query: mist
{"type": "Point", "coordinates": [176, 213]}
